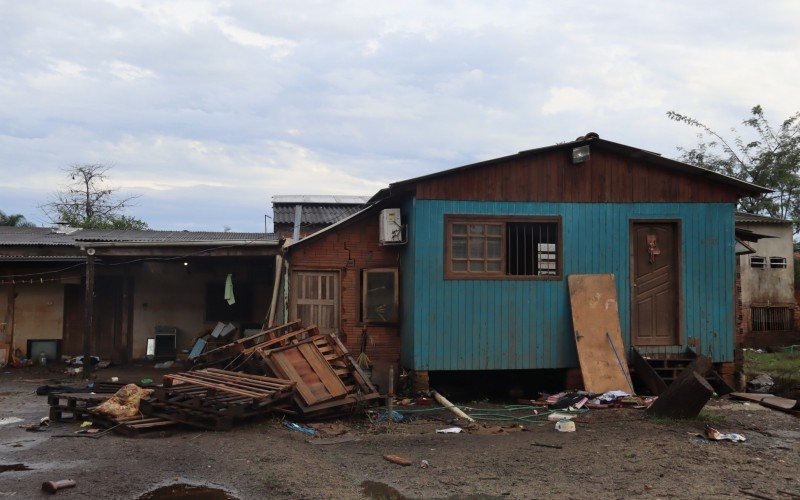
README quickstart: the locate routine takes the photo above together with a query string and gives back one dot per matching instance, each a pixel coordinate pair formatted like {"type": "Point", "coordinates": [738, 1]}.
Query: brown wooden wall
{"type": "Point", "coordinates": [605, 177]}
{"type": "Point", "coordinates": [359, 243]}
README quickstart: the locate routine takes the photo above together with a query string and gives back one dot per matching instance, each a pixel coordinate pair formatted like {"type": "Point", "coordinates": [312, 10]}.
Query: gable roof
{"type": "Point", "coordinates": [595, 142]}
{"type": "Point", "coordinates": [316, 209]}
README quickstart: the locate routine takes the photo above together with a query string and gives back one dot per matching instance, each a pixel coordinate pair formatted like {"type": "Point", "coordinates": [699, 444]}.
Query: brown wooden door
{"type": "Point", "coordinates": [73, 320]}
{"type": "Point", "coordinates": [108, 317]}
{"type": "Point", "coordinates": [655, 291]}
{"type": "Point", "coordinates": [315, 299]}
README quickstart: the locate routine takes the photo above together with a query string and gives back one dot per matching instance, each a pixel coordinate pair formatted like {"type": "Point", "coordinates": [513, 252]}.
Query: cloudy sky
{"type": "Point", "coordinates": [207, 109]}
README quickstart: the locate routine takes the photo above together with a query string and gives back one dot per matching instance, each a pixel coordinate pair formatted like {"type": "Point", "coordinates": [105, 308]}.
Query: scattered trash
{"type": "Point", "coordinates": [424, 464]}
{"type": "Point", "coordinates": [450, 430]}
{"type": "Point", "coordinates": [124, 403]}
{"type": "Point", "coordinates": [565, 426]}
{"type": "Point", "coordinates": [9, 420]}
{"type": "Point", "coordinates": [146, 381]}
{"type": "Point", "coordinates": [396, 416]}
{"type": "Point", "coordinates": [115, 379]}
{"type": "Point", "coordinates": [715, 435]}
{"type": "Point", "coordinates": [87, 423]}
{"type": "Point", "coordinates": [164, 365]}
{"type": "Point", "coordinates": [299, 428]}
{"type": "Point", "coordinates": [396, 459]}
{"type": "Point", "coordinates": [53, 486]}
{"type": "Point", "coordinates": [78, 360]}
{"type": "Point", "coordinates": [555, 417]}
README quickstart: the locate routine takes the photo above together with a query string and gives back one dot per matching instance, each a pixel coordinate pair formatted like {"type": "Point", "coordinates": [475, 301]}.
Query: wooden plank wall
{"type": "Point", "coordinates": [606, 177]}
{"type": "Point", "coordinates": [521, 324]}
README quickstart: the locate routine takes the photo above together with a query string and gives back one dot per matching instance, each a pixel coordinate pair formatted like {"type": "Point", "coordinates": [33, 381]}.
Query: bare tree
{"type": "Point", "coordinates": [87, 201]}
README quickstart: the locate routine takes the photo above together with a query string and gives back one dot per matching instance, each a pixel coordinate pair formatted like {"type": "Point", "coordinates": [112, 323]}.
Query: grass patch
{"type": "Point", "coordinates": [784, 365]}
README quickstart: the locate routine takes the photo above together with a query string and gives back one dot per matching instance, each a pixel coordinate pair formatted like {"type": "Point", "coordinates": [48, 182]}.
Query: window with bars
{"type": "Point", "coordinates": [765, 319]}
{"type": "Point", "coordinates": [757, 262]}
{"type": "Point", "coordinates": [777, 262]}
{"type": "Point", "coordinates": [502, 247]}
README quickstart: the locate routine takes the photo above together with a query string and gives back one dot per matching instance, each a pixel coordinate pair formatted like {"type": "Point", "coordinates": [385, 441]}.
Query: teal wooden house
{"type": "Point", "coordinates": [483, 251]}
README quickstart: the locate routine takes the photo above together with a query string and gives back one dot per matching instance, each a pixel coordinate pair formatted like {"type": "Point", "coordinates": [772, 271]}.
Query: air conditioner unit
{"type": "Point", "coordinates": [390, 227]}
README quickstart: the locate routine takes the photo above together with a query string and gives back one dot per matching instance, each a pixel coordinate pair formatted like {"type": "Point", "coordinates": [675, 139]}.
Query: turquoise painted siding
{"type": "Point", "coordinates": [496, 324]}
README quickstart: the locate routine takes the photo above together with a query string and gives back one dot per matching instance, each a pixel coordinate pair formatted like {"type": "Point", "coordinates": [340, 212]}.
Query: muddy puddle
{"type": "Point", "coordinates": [187, 491]}
{"type": "Point", "coordinates": [13, 467]}
{"type": "Point", "coordinates": [382, 491]}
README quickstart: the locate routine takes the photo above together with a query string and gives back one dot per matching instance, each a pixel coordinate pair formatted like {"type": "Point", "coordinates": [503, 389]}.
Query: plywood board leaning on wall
{"type": "Point", "coordinates": [598, 338]}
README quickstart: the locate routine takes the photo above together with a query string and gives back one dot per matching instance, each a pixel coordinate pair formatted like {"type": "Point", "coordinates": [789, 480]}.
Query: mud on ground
{"type": "Point", "coordinates": [614, 454]}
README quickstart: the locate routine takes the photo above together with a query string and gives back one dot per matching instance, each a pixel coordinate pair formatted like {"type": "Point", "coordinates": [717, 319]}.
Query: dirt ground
{"type": "Point", "coordinates": [614, 454]}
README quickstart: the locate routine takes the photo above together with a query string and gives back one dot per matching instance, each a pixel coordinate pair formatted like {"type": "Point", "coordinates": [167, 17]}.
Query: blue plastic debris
{"type": "Point", "coordinates": [396, 416]}
{"type": "Point", "coordinates": [299, 428]}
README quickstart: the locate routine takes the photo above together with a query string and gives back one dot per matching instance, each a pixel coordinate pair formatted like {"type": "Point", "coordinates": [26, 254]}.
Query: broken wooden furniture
{"type": "Point", "coordinates": [215, 399]}
{"type": "Point", "coordinates": [687, 394]}
{"type": "Point", "coordinates": [657, 370]}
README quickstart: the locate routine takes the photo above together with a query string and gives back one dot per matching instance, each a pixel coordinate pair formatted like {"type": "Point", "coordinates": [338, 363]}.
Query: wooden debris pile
{"type": "Point", "coordinates": [288, 369]}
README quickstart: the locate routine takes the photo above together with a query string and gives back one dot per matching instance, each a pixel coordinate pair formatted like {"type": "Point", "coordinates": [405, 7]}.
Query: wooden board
{"type": "Point", "coordinates": [316, 380]}
{"type": "Point", "coordinates": [770, 401]}
{"type": "Point", "coordinates": [595, 321]}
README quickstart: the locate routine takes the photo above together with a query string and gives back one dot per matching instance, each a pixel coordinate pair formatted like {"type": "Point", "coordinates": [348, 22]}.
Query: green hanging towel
{"type": "Point", "coordinates": [229, 290]}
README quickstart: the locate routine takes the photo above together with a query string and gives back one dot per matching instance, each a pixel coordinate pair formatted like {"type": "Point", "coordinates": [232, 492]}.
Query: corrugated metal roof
{"type": "Point", "coordinates": [314, 214]}
{"type": "Point", "coordinates": [18, 236]}
{"type": "Point", "coordinates": [759, 219]}
{"type": "Point", "coordinates": [333, 199]}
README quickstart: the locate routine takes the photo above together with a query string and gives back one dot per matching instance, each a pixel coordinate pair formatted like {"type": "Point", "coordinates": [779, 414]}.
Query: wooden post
{"type": "Point", "coordinates": [88, 327]}
{"type": "Point", "coordinates": [12, 298]}
{"type": "Point", "coordinates": [126, 336]}
{"type": "Point", "coordinates": [390, 395]}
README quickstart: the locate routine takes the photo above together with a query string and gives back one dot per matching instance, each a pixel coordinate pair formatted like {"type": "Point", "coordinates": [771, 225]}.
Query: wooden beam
{"type": "Point", "coordinates": [684, 398]}
{"type": "Point", "coordinates": [11, 307]}
{"type": "Point", "coordinates": [273, 305]}
{"type": "Point", "coordinates": [244, 251]}
{"type": "Point", "coordinates": [88, 326]}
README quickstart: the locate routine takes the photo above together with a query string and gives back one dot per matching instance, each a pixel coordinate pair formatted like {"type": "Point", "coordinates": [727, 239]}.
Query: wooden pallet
{"type": "Point", "coordinates": [135, 426]}
{"type": "Point", "coordinates": [76, 404]}
{"type": "Point", "coordinates": [215, 399]}
{"type": "Point", "coordinates": [225, 354]}
{"type": "Point", "coordinates": [328, 379]}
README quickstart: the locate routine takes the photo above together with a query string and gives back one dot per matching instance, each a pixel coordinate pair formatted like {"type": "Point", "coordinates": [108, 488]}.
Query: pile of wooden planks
{"type": "Point", "coordinates": [318, 376]}
{"type": "Point", "coordinates": [215, 399]}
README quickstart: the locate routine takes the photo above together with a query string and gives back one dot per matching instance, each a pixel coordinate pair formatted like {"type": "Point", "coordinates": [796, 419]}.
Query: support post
{"type": "Point", "coordinates": [390, 395]}
{"type": "Point", "coordinates": [88, 327]}
{"type": "Point", "coordinates": [12, 298]}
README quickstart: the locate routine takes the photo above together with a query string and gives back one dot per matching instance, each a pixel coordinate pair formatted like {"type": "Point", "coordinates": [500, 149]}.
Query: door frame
{"type": "Point", "coordinates": [678, 280]}
{"type": "Point", "coordinates": [293, 296]}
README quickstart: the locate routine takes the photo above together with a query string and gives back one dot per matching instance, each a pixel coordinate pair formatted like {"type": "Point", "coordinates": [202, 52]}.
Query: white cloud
{"type": "Point", "coordinates": [192, 100]}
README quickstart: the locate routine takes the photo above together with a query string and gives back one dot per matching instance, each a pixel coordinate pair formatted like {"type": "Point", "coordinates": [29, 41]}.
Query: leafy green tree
{"type": "Point", "coordinates": [89, 203]}
{"type": "Point", "coordinates": [771, 158]}
{"type": "Point", "coordinates": [17, 220]}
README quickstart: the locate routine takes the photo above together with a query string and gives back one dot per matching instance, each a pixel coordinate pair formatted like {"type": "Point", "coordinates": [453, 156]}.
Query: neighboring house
{"type": "Point", "coordinates": [172, 281]}
{"type": "Point", "coordinates": [767, 277]}
{"type": "Point", "coordinates": [474, 273]}
{"type": "Point", "coordinates": [312, 212]}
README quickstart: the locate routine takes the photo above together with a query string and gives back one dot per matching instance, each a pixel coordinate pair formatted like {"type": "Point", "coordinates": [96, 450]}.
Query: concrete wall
{"type": "Point", "coordinates": [768, 286]}
{"type": "Point", "coordinates": [171, 294]}
{"type": "Point", "coordinates": [38, 312]}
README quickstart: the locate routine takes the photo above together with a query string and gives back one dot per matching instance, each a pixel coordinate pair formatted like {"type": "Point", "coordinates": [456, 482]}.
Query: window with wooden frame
{"type": "Point", "coordinates": [379, 295]}
{"type": "Point", "coordinates": [757, 261]}
{"type": "Point", "coordinates": [497, 247]}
